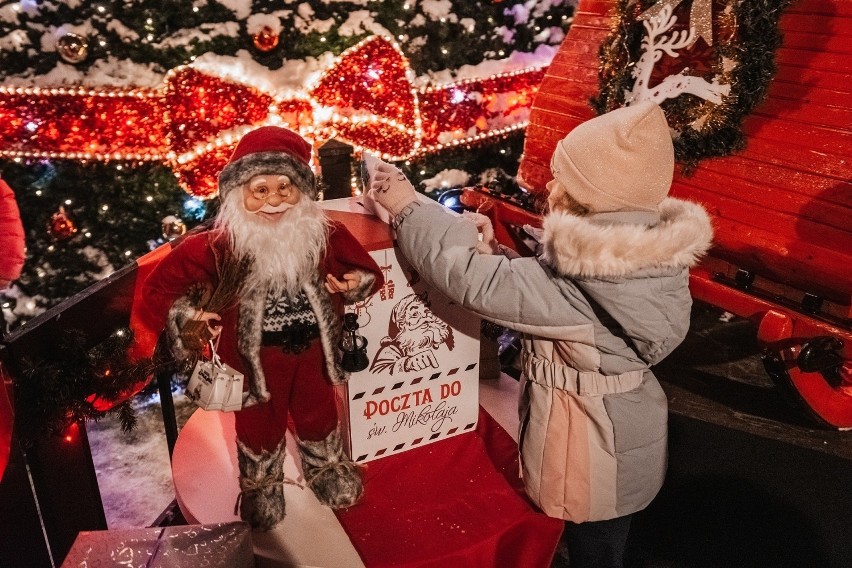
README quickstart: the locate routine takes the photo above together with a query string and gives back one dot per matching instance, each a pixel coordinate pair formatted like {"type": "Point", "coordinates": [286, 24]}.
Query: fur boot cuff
{"type": "Point", "coordinates": [261, 499]}
{"type": "Point", "coordinates": [334, 478]}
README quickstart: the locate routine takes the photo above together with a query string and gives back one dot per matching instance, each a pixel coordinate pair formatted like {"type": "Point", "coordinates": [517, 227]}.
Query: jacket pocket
{"type": "Point", "coordinates": [639, 417]}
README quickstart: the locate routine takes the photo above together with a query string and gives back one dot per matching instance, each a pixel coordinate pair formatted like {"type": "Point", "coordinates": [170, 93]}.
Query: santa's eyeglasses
{"type": "Point", "coordinates": [262, 190]}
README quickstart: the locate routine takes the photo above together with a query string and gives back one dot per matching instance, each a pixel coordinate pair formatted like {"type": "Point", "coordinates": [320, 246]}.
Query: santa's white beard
{"type": "Point", "coordinates": [431, 334]}
{"type": "Point", "coordinates": [285, 253]}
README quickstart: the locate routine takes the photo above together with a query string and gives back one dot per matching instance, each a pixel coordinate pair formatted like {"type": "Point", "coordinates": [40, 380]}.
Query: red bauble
{"type": "Point", "coordinates": [265, 40]}
{"type": "Point", "coordinates": [60, 226]}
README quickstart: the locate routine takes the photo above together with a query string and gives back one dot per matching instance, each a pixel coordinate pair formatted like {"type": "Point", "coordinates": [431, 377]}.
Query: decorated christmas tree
{"type": "Point", "coordinates": [114, 114]}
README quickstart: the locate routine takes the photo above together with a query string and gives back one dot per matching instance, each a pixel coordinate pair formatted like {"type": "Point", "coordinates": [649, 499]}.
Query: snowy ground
{"type": "Point", "coordinates": [133, 470]}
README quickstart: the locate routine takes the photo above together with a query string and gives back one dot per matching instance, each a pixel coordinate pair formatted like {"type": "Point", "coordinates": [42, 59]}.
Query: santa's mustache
{"type": "Point", "coordinates": [430, 334]}
{"type": "Point", "coordinates": [280, 208]}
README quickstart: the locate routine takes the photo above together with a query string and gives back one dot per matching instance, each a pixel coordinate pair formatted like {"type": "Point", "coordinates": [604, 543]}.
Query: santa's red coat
{"type": "Point", "coordinates": [193, 261]}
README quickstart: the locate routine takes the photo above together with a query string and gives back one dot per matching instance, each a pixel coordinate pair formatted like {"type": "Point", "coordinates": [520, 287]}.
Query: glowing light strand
{"type": "Point", "coordinates": [365, 97]}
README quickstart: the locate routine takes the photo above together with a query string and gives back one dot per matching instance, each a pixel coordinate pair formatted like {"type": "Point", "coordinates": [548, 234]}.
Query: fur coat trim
{"type": "Point", "coordinates": [581, 247]}
{"type": "Point", "coordinates": [181, 312]}
{"type": "Point", "coordinates": [251, 304]}
{"type": "Point", "coordinates": [368, 280]}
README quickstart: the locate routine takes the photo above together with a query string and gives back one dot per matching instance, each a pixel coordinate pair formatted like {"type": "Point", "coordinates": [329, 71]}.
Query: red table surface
{"type": "Point", "coordinates": [458, 503]}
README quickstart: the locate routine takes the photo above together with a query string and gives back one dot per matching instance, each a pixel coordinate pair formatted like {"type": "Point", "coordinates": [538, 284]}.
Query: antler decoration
{"type": "Point", "coordinates": [700, 17]}
{"type": "Point", "coordinates": [654, 44]}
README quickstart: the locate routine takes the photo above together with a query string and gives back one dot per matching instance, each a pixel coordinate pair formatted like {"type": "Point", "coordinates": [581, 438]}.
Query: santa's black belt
{"type": "Point", "coordinates": [293, 339]}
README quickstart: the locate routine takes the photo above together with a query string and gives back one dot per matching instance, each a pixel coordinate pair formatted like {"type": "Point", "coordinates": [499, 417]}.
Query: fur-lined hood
{"type": "Point", "coordinates": [601, 246]}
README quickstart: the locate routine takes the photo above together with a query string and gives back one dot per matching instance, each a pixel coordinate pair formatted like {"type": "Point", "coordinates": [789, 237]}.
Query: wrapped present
{"type": "Point", "coordinates": [225, 545]}
{"type": "Point", "coordinates": [120, 547]}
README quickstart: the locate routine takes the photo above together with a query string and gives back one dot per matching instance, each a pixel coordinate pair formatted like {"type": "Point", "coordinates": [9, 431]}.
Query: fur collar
{"type": "Point", "coordinates": [585, 247]}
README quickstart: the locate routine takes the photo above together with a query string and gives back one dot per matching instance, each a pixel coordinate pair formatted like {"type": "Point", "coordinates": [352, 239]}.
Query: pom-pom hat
{"type": "Point", "coordinates": [619, 161]}
{"type": "Point", "coordinates": [270, 150]}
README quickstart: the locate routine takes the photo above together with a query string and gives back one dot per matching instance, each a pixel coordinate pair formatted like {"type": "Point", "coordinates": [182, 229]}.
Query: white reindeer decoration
{"type": "Point", "coordinates": [654, 45]}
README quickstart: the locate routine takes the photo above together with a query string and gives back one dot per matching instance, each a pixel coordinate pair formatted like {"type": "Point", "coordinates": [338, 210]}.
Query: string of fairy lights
{"type": "Point", "coordinates": [366, 98]}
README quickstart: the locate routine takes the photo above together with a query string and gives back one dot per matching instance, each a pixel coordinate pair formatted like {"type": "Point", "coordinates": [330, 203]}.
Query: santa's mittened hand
{"type": "Point", "coordinates": [391, 189]}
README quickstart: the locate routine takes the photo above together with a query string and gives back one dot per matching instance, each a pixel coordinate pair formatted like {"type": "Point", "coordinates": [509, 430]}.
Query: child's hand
{"type": "Point", "coordinates": [391, 189]}
{"type": "Point", "coordinates": [488, 244]}
{"type": "Point", "coordinates": [351, 281]}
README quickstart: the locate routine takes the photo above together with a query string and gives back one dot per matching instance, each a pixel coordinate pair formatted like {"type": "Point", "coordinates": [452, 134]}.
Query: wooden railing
{"type": "Point", "coordinates": [50, 492]}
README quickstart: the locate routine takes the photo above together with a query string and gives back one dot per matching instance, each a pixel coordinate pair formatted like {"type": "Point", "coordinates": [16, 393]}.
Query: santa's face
{"type": "Point", "coordinates": [417, 314]}
{"type": "Point", "coordinates": [421, 329]}
{"type": "Point", "coordinates": [284, 234]}
{"type": "Point", "coordinates": [270, 196]}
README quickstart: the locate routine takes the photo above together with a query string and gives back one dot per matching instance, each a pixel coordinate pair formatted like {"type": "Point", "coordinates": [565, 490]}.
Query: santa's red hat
{"type": "Point", "coordinates": [270, 150]}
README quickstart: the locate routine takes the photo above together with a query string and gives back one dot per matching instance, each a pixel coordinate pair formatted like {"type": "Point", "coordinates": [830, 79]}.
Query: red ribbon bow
{"type": "Point", "coordinates": [193, 122]}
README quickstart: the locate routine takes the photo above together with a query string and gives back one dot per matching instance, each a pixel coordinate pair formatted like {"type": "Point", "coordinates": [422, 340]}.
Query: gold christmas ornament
{"type": "Point", "coordinates": [173, 227]}
{"type": "Point", "coordinates": [73, 48]}
{"type": "Point", "coordinates": [265, 40]}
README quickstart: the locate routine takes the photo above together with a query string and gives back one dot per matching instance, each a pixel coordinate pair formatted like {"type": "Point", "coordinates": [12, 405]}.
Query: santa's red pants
{"type": "Point", "coordinates": [298, 386]}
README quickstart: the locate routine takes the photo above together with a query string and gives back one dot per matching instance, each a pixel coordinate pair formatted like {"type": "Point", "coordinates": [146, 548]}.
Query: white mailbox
{"type": "Point", "coordinates": [422, 380]}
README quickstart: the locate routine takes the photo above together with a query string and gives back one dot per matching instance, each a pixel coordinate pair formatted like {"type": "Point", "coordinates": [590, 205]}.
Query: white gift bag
{"type": "Point", "coordinates": [215, 385]}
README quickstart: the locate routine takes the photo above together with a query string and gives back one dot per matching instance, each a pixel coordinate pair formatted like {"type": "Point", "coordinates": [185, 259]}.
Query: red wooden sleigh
{"type": "Point", "coordinates": [781, 208]}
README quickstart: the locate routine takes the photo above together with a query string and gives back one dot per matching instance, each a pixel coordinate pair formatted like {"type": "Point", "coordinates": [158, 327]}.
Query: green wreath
{"type": "Point", "coordinates": [742, 56]}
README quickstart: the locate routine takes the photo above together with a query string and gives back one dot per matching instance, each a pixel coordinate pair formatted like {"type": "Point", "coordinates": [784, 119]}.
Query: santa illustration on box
{"type": "Point", "coordinates": [414, 334]}
{"type": "Point", "coordinates": [268, 282]}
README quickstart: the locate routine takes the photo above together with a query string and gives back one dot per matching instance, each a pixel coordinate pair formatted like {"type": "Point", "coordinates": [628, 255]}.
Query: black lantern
{"type": "Point", "coordinates": [354, 346]}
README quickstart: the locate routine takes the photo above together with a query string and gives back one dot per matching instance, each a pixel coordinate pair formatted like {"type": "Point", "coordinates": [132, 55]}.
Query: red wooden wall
{"type": "Point", "coordinates": [782, 208]}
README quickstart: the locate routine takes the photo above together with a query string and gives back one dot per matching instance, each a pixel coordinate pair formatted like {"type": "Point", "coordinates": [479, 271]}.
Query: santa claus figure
{"type": "Point", "coordinates": [287, 270]}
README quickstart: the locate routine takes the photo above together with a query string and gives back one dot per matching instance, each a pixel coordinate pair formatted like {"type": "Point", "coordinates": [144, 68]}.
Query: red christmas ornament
{"type": "Point", "coordinates": [265, 40]}
{"type": "Point", "coordinates": [60, 226]}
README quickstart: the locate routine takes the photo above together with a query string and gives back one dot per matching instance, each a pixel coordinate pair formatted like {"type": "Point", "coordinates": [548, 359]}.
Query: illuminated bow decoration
{"type": "Point", "coordinates": [195, 119]}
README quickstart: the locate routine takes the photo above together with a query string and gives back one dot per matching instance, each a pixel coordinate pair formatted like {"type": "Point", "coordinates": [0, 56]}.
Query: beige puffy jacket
{"type": "Point", "coordinates": [607, 297]}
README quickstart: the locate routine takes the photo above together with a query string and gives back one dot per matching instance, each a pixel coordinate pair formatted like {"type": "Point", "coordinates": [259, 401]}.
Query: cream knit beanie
{"type": "Point", "coordinates": [621, 160]}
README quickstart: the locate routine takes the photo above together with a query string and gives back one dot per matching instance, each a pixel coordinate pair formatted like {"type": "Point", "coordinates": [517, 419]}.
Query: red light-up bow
{"type": "Point", "coordinates": [194, 120]}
